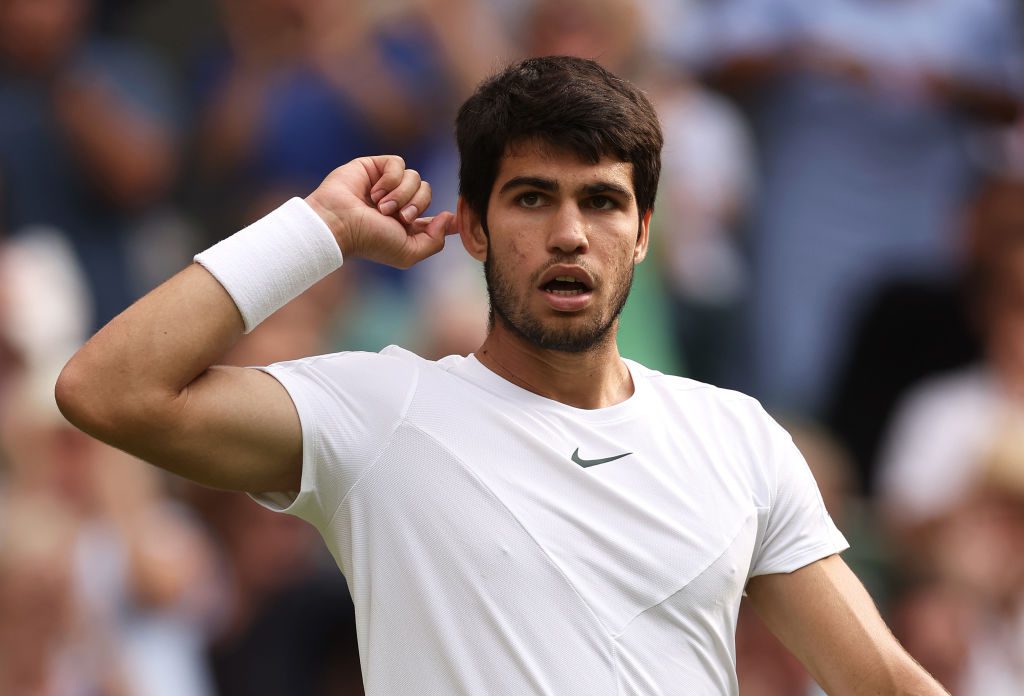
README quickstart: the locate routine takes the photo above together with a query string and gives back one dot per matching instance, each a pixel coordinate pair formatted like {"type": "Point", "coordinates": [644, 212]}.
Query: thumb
{"type": "Point", "coordinates": [427, 235]}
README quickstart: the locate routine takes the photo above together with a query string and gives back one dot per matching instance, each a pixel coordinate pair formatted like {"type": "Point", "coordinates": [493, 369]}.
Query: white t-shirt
{"type": "Point", "coordinates": [483, 559]}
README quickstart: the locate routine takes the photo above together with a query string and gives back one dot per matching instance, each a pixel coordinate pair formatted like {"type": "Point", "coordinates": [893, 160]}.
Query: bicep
{"type": "Point", "coordinates": [825, 617]}
{"type": "Point", "coordinates": [232, 428]}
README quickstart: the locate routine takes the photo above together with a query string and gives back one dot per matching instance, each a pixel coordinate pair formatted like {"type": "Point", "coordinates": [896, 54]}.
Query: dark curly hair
{"type": "Point", "coordinates": [566, 102]}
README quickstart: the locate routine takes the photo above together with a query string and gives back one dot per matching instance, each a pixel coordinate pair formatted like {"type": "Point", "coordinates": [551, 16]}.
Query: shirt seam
{"type": "Point", "coordinates": [692, 580]}
{"type": "Point", "coordinates": [530, 535]}
{"type": "Point", "coordinates": [384, 447]}
{"type": "Point", "coordinates": [831, 546]}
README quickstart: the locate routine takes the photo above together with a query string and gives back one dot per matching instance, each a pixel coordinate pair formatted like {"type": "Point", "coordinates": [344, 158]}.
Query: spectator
{"type": "Point", "coordinates": [947, 427]}
{"type": "Point", "coordinates": [952, 478]}
{"type": "Point", "coordinates": [707, 185]}
{"type": "Point", "coordinates": [124, 572]}
{"type": "Point", "coordinates": [861, 110]}
{"type": "Point", "coordinates": [87, 139]}
{"type": "Point", "coordinates": [912, 330]}
{"type": "Point", "coordinates": [296, 88]}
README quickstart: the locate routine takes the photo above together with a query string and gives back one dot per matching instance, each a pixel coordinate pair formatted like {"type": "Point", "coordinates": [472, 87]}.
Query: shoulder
{"type": "Point", "coordinates": [690, 392]}
{"type": "Point", "coordinates": [734, 419]}
{"type": "Point", "coordinates": [391, 358]}
{"type": "Point", "coordinates": [385, 375]}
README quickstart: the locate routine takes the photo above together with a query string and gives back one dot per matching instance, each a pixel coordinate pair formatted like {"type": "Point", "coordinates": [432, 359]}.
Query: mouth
{"type": "Point", "coordinates": [567, 288]}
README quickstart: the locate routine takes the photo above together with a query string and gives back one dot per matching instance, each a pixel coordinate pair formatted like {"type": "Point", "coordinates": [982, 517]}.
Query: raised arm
{"type": "Point", "coordinates": [825, 617]}
{"type": "Point", "coordinates": [146, 382]}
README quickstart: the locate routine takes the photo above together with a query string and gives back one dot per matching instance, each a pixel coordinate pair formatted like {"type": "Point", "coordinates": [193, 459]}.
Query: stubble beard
{"type": "Point", "coordinates": [566, 337]}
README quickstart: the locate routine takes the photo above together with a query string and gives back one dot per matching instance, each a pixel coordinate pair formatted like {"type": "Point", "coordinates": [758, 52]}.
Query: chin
{"type": "Point", "coordinates": [565, 334]}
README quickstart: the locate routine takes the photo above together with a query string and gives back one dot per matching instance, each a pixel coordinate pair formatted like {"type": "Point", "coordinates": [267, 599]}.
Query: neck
{"type": "Point", "coordinates": [593, 379]}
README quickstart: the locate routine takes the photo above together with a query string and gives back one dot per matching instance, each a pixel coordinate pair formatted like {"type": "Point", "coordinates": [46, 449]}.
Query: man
{"type": "Point", "coordinates": [542, 517]}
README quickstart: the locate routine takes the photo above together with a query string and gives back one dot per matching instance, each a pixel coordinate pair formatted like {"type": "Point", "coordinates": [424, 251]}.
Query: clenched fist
{"type": "Point", "coordinates": [372, 206]}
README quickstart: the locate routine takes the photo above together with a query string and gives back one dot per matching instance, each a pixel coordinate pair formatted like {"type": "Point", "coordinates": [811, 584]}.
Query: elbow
{"type": "Point", "coordinates": [83, 404]}
{"type": "Point", "coordinates": [98, 404]}
{"type": "Point", "coordinates": [68, 393]}
{"type": "Point", "coordinates": [138, 419]}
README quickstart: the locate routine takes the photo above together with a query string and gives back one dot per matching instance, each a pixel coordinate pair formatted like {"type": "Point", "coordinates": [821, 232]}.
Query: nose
{"type": "Point", "coordinates": [568, 231]}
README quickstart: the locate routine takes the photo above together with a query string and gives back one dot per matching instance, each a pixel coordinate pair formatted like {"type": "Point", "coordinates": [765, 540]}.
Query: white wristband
{"type": "Point", "coordinates": [273, 260]}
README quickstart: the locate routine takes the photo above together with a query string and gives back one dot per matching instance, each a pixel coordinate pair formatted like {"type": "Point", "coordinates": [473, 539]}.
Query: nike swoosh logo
{"type": "Point", "coordinates": [594, 462]}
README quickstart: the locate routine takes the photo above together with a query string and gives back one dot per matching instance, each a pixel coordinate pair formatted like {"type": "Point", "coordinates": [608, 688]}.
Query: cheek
{"type": "Point", "coordinates": [622, 258]}
{"type": "Point", "coordinates": [516, 257]}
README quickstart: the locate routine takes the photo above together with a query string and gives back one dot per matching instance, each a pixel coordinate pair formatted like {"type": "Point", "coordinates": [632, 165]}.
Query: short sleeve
{"type": "Point", "coordinates": [798, 529]}
{"type": "Point", "coordinates": [349, 406]}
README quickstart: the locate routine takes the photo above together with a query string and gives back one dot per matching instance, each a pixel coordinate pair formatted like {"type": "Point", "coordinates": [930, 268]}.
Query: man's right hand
{"type": "Point", "coordinates": [372, 206]}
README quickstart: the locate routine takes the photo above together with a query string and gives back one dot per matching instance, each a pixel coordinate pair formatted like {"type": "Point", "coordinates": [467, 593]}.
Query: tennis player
{"type": "Point", "coordinates": [542, 517]}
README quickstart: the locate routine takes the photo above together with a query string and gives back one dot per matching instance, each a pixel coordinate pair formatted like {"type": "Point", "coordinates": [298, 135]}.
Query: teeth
{"type": "Point", "coordinates": [567, 279]}
{"type": "Point", "coordinates": [565, 292]}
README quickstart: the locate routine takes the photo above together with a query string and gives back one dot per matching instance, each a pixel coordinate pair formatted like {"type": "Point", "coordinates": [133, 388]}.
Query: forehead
{"type": "Point", "coordinates": [563, 166]}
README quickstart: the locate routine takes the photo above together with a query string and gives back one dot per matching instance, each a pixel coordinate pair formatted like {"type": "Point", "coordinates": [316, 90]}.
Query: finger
{"type": "Point", "coordinates": [399, 197]}
{"type": "Point", "coordinates": [428, 234]}
{"type": "Point", "coordinates": [419, 202]}
{"type": "Point", "coordinates": [440, 225]}
{"type": "Point", "coordinates": [390, 170]}
{"type": "Point", "coordinates": [449, 224]}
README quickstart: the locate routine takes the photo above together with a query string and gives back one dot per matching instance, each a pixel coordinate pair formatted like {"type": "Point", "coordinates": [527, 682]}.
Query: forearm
{"type": "Point", "coordinates": [892, 673]}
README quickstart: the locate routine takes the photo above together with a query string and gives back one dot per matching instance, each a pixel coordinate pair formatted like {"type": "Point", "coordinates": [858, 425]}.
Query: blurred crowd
{"type": "Point", "coordinates": [839, 232]}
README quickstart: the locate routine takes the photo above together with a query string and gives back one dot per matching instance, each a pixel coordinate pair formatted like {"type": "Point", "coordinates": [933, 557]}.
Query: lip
{"type": "Point", "coordinates": [562, 269]}
{"type": "Point", "coordinates": [567, 303]}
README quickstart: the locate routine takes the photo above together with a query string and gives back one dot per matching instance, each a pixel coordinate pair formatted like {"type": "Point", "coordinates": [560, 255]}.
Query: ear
{"type": "Point", "coordinates": [643, 237]}
{"type": "Point", "coordinates": [471, 231]}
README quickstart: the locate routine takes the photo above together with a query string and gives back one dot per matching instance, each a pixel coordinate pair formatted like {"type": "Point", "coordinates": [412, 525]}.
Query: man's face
{"type": "Point", "coordinates": [564, 237]}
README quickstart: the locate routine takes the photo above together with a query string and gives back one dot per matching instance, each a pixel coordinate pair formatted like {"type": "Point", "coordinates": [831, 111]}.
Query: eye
{"type": "Point", "coordinates": [601, 203]}
{"type": "Point", "coordinates": [530, 199]}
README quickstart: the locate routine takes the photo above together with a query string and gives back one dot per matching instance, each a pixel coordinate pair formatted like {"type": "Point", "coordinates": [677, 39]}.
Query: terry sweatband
{"type": "Point", "coordinates": [273, 260]}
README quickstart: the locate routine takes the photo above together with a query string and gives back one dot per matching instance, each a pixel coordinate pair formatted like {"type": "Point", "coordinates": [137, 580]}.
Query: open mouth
{"type": "Point", "coordinates": [565, 286]}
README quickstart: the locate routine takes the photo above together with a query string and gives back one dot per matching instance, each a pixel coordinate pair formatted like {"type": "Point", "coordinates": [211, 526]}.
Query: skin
{"type": "Point", "coordinates": [551, 213]}
{"type": "Point", "coordinates": [146, 382]}
{"type": "Point", "coordinates": [825, 617]}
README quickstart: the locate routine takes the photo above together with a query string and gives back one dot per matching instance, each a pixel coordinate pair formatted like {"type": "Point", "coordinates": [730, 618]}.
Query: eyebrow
{"type": "Point", "coordinates": [551, 185]}
{"type": "Point", "coordinates": [605, 187]}
{"type": "Point", "coordinates": [531, 182]}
